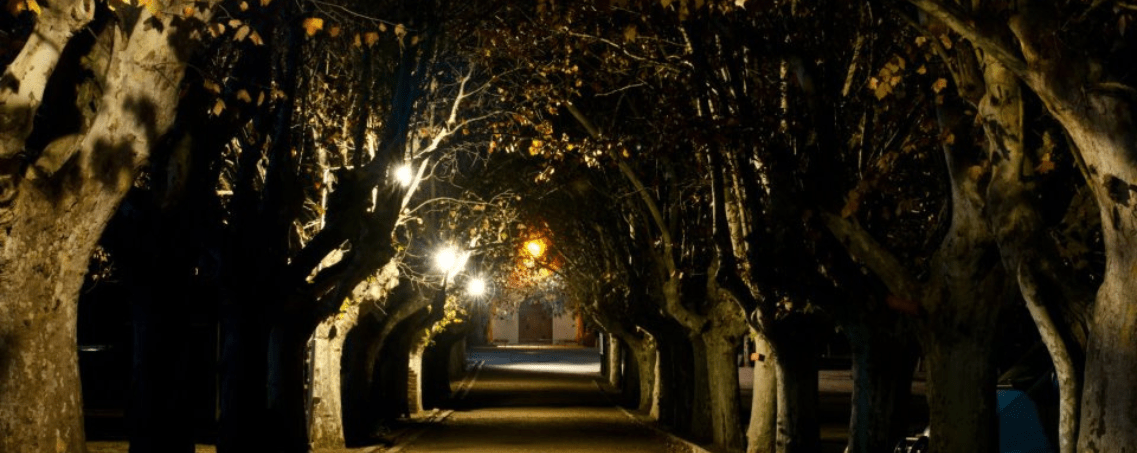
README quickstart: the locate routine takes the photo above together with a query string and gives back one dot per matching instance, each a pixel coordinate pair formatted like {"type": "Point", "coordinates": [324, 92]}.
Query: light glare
{"type": "Point", "coordinates": [405, 175]}
{"type": "Point", "coordinates": [476, 287]}
{"type": "Point", "coordinates": [446, 259]}
{"type": "Point", "coordinates": [535, 247]}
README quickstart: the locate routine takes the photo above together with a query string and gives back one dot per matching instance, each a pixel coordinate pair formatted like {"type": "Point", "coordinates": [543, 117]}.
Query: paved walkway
{"type": "Point", "coordinates": [538, 400]}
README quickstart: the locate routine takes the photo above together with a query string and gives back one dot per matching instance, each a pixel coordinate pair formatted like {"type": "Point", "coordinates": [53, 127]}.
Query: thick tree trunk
{"type": "Point", "coordinates": [722, 374]}
{"type": "Point", "coordinates": [325, 416]}
{"type": "Point", "coordinates": [40, 405]}
{"type": "Point", "coordinates": [640, 362]}
{"type": "Point", "coordinates": [762, 433]}
{"type": "Point", "coordinates": [325, 395]}
{"type": "Point", "coordinates": [961, 395]}
{"type": "Point", "coordinates": [701, 423]}
{"type": "Point", "coordinates": [286, 398]}
{"type": "Point", "coordinates": [796, 364]}
{"type": "Point", "coordinates": [883, 363]}
{"type": "Point", "coordinates": [1103, 127]}
{"type": "Point", "coordinates": [52, 215]}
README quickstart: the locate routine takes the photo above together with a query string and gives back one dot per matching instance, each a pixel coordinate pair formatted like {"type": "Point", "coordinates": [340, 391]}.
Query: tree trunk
{"type": "Point", "coordinates": [325, 396]}
{"type": "Point", "coordinates": [613, 355]}
{"type": "Point", "coordinates": [961, 395]}
{"type": "Point", "coordinates": [722, 374]}
{"type": "Point", "coordinates": [796, 364]}
{"type": "Point", "coordinates": [1102, 126]}
{"type": "Point", "coordinates": [325, 416]}
{"type": "Point", "coordinates": [640, 358]}
{"type": "Point", "coordinates": [51, 216]}
{"type": "Point", "coordinates": [883, 363]}
{"type": "Point", "coordinates": [701, 424]}
{"type": "Point", "coordinates": [762, 433]}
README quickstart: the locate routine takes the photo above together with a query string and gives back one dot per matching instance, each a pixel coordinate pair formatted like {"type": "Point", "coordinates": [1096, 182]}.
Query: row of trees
{"type": "Point", "coordinates": [702, 171]}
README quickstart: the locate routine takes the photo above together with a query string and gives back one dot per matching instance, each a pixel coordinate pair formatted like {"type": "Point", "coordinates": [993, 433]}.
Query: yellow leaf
{"type": "Point", "coordinates": [261, 98]}
{"type": "Point", "coordinates": [211, 86]}
{"type": "Point", "coordinates": [244, 96]}
{"type": "Point", "coordinates": [358, 42]}
{"type": "Point", "coordinates": [665, 3]}
{"type": "Point", "coordinates": [922, 70]}
{"type": "Point", "coordinates": [234, 23]}
{"type": "Point", "coordinates": [312, 25]}
{"type": "Point", "coordinates": [255, 38]}
{"type": "Point", "coordinates": [630, 33]}
{"type": "Point", "coordinates": [334, 31]}
{"type": "Point", "coordinates": [400, 31]}
{"type": "Point", "coordinates": [18, 6]}
{"type": "Point", "coordinates": [265, 2]}
{"type": "Point", "coordinates": [1046, 166]}
{"type": "Point", "coordinates": [242, 33]}
{"type": "Point", "coordinates": [187, 11]}
{"type": "Point", "coordinates": [218, 107]}
{"type": "Point", "coordinates": [939, 84]}
{"type": "Point", "coordinates": [371, 38]}
{"type": "Point", "coordinates": [383, 27]}
{"type": "Point", "coordinates": [244, 6]}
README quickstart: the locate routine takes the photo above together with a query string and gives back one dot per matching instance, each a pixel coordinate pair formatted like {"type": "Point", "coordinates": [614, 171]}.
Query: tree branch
{"type": "Point", "coordinates": [865, 249]}
{"type": "Point", "coordinates": [960, 23]}
{"type": "Point", "coordinates": [1068, 384]}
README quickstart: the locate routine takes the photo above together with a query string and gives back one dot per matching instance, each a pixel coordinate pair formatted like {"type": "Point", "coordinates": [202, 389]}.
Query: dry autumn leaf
{"type": "Point", "coordinates": [242, 33]}
{"type": "Point", "coordinates": [371, 38]}
{"type": "Point", "coordinates": [218, 107]}
{"type": "Point", "coordinates": [243, 95]}
{"type": "Point", "coordinates": [244, 6]}
{"type": "Point", "coordinates": [312, 25]}
{"type": "Point", "coordinates": [939, 84]}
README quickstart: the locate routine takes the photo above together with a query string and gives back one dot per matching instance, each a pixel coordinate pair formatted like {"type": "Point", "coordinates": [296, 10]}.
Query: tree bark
{"type": "Point", "coordinates": [796, 365]}
{"type": "Point", "coordinates": [883, 362]}
{"type": "Point", "coordinates": [325, 400]}
{"type": "Point", "coordinates": [613, 354]}
{"type": "Point", "coordinates": [722, 375]}
{"type": "Point", "coordinates": [762, 433]}
{"type": "Point", "coordinates": [961, 390]}
{"type": "Point", "coordinates": [52, 214]}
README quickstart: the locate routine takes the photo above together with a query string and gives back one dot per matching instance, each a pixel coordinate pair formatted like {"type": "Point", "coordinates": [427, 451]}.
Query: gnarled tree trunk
{"type": "Point", "coordinates": [762, 432]}
{"type": "Point", "coordinates": [53, 210]}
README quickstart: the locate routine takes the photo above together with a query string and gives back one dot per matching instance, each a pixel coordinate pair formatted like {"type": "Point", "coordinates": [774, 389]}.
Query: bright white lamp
{"type": "Point", "coordinates": [405, 175]}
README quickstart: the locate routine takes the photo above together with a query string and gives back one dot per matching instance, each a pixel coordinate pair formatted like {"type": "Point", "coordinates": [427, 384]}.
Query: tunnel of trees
{"type": "Point", "coordinates": [253, 199]}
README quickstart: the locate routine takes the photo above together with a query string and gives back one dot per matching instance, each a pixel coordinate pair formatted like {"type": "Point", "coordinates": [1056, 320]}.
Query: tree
{"type": "Point", "coordinates": [58, 199]}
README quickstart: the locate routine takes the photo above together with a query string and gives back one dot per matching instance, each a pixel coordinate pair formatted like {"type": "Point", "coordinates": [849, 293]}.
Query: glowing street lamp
{"type": "Point", "coordinates": [535, 247]}
{"type": "Point", "coordinates": [446, 259]}
{"type": "Point", "coordinates": [476, 287]}
{"type": "Point", "coordinates": [405, 175]}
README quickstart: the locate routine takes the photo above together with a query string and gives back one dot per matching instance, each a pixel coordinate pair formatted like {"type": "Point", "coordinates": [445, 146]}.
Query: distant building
{"type": "Point", "coordinates": [532, 323]}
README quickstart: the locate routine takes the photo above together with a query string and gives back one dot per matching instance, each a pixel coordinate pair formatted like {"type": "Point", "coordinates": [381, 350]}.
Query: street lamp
{"type": "Point", "coordinates": [535, 247]}
{"type": "Point", "coordinates": [450, 261]}
{"type": "Point", "coordinates": [405, 175]}
{"type": "Point", "coordinates": [476, 287]}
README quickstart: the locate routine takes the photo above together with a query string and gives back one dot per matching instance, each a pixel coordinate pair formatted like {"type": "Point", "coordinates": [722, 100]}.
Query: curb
{"type": "Point", "coordinates": [691, 447]}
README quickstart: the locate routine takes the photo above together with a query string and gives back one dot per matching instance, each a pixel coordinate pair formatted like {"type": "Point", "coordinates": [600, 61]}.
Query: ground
{"type": "Point", "coordinates": [550, 399]}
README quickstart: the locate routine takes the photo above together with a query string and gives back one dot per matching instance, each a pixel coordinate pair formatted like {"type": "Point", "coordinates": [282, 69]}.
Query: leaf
{"type": "Point", "coordinates": [371, 38]}
{"type": "Point", "coordinates": [664, 3]}
{"type": "Point", "coordinates": [630, 33]}
{"type": "Point", "coordinates": [358, 42]}
{"type": "Point", "coordinates": [265, 2]}
{"type": "Point", "coordinates": [211, 86]}
{"type": "Point", "coordinates": [188, 11]}
{"type": "Point", "coordinates": [334, 31]}
{"type": "Point", "coordinates": [242, 33]}
{"type": "Point", "coordinates": [244, 96]}
{"type": "Point", "coordinates": [218, 107]}
{"type": "Point", "coordinates": [939, 84]}
{"type": "Point", "coordinates": [1046, 166]}
{"type": "Point", "coordinates": [312, 25]}
{"type": "Point", "coordinates": [255, 38]}
{"type": "Point", "coordinates": [260, 98]}
{"type": "Point", "coordinates": [18, 6]}
{"type": "Point", "coordinates": [244, 6]}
